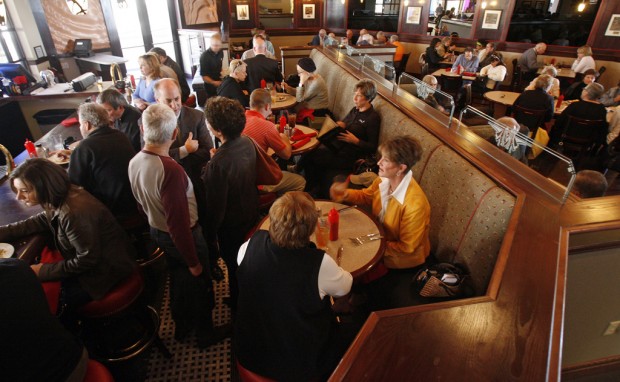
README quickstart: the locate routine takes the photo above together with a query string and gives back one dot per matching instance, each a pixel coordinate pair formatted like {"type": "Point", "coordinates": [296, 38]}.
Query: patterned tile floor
{"type": "Point", "coordinates": [188, 363]}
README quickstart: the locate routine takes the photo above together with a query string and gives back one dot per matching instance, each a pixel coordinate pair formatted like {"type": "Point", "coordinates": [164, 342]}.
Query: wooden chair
{"type": "Point", "coordinates": [515, 84]}
{"type": "Point", "coordinates": [580, 137]}
{"type": "Point", "coordinates": [532, 118]}
{"type": "Point", "coordinates": [424, 64]}
{"type": "Point", "coordinates": [451, 85]}
{"type": "Point", "coordinates": [403, 65]}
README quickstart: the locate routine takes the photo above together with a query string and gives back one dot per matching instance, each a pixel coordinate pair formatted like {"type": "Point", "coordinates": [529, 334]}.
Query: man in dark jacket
{"type": "Point", "coordinates": [123, 116]}
{"type": "Point", "coordinates": [99, 164]}
{"type": "Point", "coordinates": [260, 67]}
{"type": "Point", "coordinates": [169, 62]}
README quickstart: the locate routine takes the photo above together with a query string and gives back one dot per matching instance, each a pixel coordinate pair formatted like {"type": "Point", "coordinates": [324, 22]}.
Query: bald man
{"type": "Point", "coordinates": [319, 40]}
{"type": "Point", "coordinates": [260, 67]}
{"type": "Point", "coordinates": [529, 61]}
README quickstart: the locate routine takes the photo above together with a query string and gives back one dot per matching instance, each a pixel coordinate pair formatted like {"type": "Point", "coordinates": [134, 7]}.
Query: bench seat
{"type": "Point", "coordinates": [470, 212]}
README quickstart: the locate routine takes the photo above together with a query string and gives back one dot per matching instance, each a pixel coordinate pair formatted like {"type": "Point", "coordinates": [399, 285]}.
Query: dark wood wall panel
{"type": "Point", "coordinates": [501, 32]}
{"type": "Point", "coordinates": [243, 24]}
{"type": "Point", "coordinates": [420, 28]}
{"type": "Point", "coordinates": [597, 36]}
{"type": "Point", "coordinates": [335, 15]}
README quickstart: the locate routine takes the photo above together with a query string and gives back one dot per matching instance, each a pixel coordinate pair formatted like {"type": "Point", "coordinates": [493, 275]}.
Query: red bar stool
{"type": "Point", "coordinates": [119, 327]}
{"type": "Point", "coordinates": [249, 376]}
{"type": "Point", "coordinates": [96, 372]}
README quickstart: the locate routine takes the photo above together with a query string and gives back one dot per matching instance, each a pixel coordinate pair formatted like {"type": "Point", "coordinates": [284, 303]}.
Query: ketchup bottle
{"type": "Point", "coordinates": [333, 218]}
{"type": "Point", "coordinates": [283, 122]}
{"type": "Point", "coordinates": [559, 103]}
{"type": "Point", "coordinates": [263, 84]}
{"type": "Point", "coordinates": [32, 151]}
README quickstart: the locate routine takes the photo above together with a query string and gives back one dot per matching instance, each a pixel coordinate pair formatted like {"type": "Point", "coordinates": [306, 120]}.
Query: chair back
{"type": "Point", "coordinates": [532, 118]}
{"type": "Point", "coordinates": [581, 131]}
{"type": "Point", "coordinates": [515, 84]}
{"type": "Point", "coordinates": [451, 83]}
{"type": "Point", "coordinates": [402, 65]}
{"type": "Point", "coordinates": [601, 70]}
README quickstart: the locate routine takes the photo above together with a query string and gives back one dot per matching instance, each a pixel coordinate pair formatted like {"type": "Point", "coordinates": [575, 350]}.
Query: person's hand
{"type": "Point", "coordinates": [36, 268]}
{"type": "Point", "coordinates": [196, 270]}
{"type": "Point", "coordinates": [191, 144]}
{"type": "Point", "coordinates": [303, 78]}
{"type": "Point", "coordinates": [217, 83]}
{"type": "Point", "coordinates": [212, 152]}
{"type": "Point", "coordinates": [341, 124]}
{"type": "Point", "coordinates": [338, 190]}
{"type": "Point", "coordinates": [140, 104]}
{"type": "Point", "coordinates": [348, 137]}
{"type": "Point", "coordinates": [284, 137]}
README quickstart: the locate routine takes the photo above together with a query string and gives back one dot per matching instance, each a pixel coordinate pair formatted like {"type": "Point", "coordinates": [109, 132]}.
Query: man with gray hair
{"type": "Point", "coordinates": [529, 61]}
{"type": "Point", "coordinates": [123, 116]}
{"type": "Point", "coordinates": [166, 195]}
{"type": "Point", "coordinates": [250, 52]}
{"type": "Point", "coordinates": [260, 67]}
{"type": "Point", "coordinates": [319, 39]}
{"type": "Point", "coordinates": [99, 163]}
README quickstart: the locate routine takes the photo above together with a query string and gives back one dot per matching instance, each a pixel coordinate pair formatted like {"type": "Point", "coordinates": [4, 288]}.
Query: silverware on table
{"type": "Point", "coordinates": [339, 255]}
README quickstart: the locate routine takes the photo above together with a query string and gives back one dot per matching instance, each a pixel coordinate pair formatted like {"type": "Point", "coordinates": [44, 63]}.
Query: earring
{"type": "Point", "coordinates": [398, 173]}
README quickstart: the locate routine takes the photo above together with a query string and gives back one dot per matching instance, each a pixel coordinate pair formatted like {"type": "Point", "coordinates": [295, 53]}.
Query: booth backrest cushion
{"type": "Point", "coordinates": [469, 212]}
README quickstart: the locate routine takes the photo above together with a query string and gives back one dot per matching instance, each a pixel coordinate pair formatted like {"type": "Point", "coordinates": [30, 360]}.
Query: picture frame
{"type": "Point", "coordinates": [38, 51]}
{"type": "Point", "coordinates": [413, 15]}
{"type": "Point", "coordinates": [243, 12]}
{"type": "Point", "coordinates": [198, 13]}
{"type": "Point", "coordinates": [308, 11]}
{"type": "Point", "coordinates": [613, 29]}
{"type": "Point", "coordinates": [491, 19]}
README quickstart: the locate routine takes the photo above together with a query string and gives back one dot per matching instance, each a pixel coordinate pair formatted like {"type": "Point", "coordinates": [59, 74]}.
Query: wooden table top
{"type": "Point", "coordinates": [356, 259]}
{"type": "Point", "coordinates": [562, 72]}
{"type": "Point", "coordinates": [283, 101]}
{"type": "Point", "coordinates": [313, 144]}
{"type": "Point", "coordinates": [564, 105]}
{"type": "Point", "coordinates": [449, 73]}
{"type": "Point", "coordinates": [503, 97]}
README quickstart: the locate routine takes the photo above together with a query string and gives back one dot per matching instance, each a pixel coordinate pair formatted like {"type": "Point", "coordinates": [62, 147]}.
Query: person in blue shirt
{"type": "Point", "coordinates": [144, 94]}
{"type": "Point", "coordinates": [467, 60]}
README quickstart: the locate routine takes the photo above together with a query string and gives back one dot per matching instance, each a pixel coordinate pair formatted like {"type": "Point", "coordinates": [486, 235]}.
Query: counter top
{"type": "Point", "coordinates": [63, 90]}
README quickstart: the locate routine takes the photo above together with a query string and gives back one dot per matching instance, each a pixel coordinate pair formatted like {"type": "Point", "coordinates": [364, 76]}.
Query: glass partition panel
{"type": "Point", "coordinates": [428, 93]}
{"type": "Point", "coordinates": [517, 144]}
{"type": "Point", "coordinates": [379, 70]}
{"type": "Point", "coordinates": [351, 56]}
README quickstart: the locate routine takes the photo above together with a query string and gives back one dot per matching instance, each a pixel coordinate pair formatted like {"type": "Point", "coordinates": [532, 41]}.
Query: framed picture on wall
{"type": "Point", "coordinates": [198, 13]}
{"type": "Point", "coordinates": [491, 19]}
{"type": "Point", "coordinates": [307, 11]}
{"type": "Point", "coordinates": [413, 15]}
{"type": "Point", "coordinates": [243, 12]}
{"type": "Point", "coordinates": [539, 5]}
{"type": "Point", "coordinates": [613, 29]}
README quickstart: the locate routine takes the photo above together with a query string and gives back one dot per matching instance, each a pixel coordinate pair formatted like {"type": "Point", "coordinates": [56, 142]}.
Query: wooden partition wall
{"type": "Point", "coordinates": [513, 332]}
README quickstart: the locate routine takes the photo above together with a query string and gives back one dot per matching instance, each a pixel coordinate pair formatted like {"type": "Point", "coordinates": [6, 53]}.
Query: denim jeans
{"type": "Point", "coordinates": [191, 298]}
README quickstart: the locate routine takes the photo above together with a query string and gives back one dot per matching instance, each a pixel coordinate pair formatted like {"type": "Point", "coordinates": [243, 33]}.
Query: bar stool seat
{"type": "Point", "coordinates": [118, 299]}
{"type": "Point", "coordinates": [96, 372]}
{"type": "Point", "coordinates": [249, 376]}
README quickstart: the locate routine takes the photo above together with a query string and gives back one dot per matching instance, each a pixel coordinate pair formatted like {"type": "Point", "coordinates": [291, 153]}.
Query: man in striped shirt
{"type": "Point", "coordinates": [165, 193]}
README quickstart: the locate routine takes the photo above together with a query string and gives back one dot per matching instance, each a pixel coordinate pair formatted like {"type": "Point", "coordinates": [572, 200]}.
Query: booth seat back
{"type": "Point", "coordinates": [469, 212]}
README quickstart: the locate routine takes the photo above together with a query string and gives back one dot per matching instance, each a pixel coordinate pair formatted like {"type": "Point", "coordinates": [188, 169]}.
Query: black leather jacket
{"type": "Point", "coordinates": [94, 246]}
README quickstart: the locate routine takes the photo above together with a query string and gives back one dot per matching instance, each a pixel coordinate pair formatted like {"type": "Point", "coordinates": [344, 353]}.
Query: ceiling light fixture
{"type": "Point", "coordinates": [581, 7]}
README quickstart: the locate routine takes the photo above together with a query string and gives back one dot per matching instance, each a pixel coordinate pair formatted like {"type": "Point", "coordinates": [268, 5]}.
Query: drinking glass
{"type": "Point", "coordinates": [292, 119]}
{"type": "Point", "coordinates": [322, 233]}
{"type": "Point", "coordinates": [100, 83]}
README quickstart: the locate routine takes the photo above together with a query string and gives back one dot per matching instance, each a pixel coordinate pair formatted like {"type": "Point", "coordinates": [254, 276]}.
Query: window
{"type": "Point", "coordinates": [387, 7]}
{"type": "Point", "coordinates": [10, 48]}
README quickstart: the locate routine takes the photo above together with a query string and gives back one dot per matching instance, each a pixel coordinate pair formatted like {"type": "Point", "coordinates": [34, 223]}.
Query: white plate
{"type": "Point", "coordinates": [58, 159]}
{"type": "Point", "coordinates": [6, 250]}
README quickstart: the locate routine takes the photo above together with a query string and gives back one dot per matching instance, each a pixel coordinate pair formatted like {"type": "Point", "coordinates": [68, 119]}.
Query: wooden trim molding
{"type": "Point", "coordinates": [591, 368]}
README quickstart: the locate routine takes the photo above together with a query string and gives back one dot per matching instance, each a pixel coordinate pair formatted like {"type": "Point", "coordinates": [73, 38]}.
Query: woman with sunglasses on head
{"type": "Point", "coordinates": [232, 85]}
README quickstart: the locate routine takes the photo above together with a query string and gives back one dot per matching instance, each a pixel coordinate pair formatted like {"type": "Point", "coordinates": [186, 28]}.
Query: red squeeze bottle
{"type": "Point", "coordinates": [333, 218]}
{"type": "Point", "coordinates": [32, 151]}
{"type": "Point", "coordinates": [263, 84]}
{"type": "Point", "coordinates": [559, 103]}
{"type": "Point", "coordinates": [133, 81]}
{"type": "Point", "coordinates": [283, 122]}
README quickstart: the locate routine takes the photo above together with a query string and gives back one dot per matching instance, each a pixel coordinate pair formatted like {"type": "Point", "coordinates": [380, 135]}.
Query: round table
{"type": "Point", "coordinates": [356, 259]}
{"type": "Point", "coordinates": [501, 99]}
{"type": "Point", "coordinates": [283, 101]}
{"type": "Point", "coordinates": [311, 145]}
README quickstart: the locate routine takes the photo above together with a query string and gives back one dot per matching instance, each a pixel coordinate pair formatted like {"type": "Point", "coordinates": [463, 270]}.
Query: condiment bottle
{"type": "Point", "coordinates": [333, 218]}
{"type": "Point", "coordinates": [559, 103]}
{"type": "Point", "coordinates": [32, 151]}
{"type": "Point", "coordinates": [263, 84]}
{"type": "Point", "coordinates": [283, 122]}
{"type": "Point", "coordinates": [41, 151]}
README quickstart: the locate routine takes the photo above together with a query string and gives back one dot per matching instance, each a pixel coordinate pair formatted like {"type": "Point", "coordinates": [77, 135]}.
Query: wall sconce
{"type": "Point", "coordinates": [2, 14]}
{"type": "Point", "coordinates": [77, 7]}
{"type": "Point", "coordinates": [406, 3]}
{"type": "Point", "coordinates": [483, 5]}
{"type": "Point", "coordinates": [493, 3]}
{"type": "Point", "coordinates": [581, 7]}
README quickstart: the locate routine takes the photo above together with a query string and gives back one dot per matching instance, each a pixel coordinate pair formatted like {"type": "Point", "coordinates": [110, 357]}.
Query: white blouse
{"type": "Point", "coordinates": [586, 62]}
